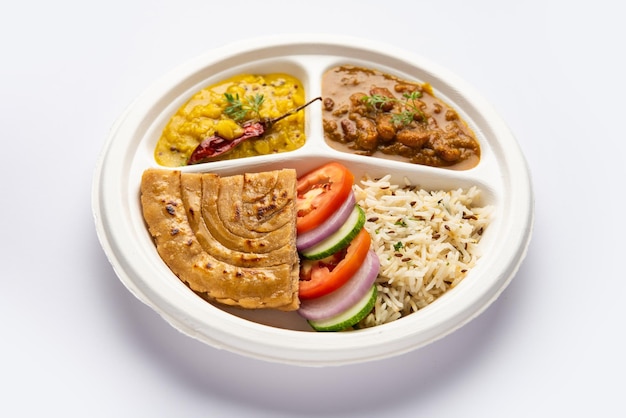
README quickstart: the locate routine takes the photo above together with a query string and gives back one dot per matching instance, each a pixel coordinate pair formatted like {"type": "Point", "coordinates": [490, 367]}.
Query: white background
{"type": "Point", "coordinates": [76, 343]}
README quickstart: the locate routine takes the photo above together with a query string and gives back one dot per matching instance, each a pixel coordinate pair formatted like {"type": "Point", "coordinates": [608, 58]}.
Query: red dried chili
{"type": "Point", "coordinates": [216, 145]}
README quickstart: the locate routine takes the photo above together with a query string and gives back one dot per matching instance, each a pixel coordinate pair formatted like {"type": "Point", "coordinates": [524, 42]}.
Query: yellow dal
{"type": "Point", "coordinates": [199, 117]}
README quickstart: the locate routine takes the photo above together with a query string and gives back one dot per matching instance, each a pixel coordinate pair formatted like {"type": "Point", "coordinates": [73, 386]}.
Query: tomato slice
{"type": "Point", "coordinates": [320, 277]}
{"type": "Point", "coordinates": [320, 193]}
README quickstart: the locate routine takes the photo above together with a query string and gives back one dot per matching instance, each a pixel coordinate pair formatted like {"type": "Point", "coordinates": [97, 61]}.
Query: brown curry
{"type": "Point", "coordinates": [372, 113]}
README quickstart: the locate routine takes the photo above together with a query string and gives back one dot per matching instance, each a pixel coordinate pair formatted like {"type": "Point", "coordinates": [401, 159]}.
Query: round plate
{"type": "Point", "coordinates": [502, 175]}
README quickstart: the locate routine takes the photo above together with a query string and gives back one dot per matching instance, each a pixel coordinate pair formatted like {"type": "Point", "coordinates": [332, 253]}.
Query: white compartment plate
{"type": "Point", "coordinates": [502, 175]}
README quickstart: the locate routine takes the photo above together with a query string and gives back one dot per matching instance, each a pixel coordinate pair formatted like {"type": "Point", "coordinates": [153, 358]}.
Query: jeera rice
{"type": "Point", "coordinates": [427, 242]}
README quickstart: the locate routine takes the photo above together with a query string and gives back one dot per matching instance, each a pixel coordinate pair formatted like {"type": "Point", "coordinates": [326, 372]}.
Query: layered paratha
{"type": "Point", "coordinates": [231, 239]}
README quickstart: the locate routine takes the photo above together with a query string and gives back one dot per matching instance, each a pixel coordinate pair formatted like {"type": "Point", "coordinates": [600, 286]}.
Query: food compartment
{"type": "Point", "coordinates": [370, 112]}
{"type": "Point", "coordinates": [249, 110]}
{"type": "Point", "coordinates": [446, 184]}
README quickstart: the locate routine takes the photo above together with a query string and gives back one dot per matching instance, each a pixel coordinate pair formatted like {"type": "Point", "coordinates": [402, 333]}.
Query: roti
{"type": "Point", "coordinates": [231, 239]}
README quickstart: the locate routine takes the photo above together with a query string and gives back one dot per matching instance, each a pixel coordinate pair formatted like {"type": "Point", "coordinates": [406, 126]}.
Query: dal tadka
{"type": "Point", "coordinates": [372, 113]}
{"type": "Point", "coordinates": [205, 115]}
{"type": "Point", "coordinates": [231, 239]}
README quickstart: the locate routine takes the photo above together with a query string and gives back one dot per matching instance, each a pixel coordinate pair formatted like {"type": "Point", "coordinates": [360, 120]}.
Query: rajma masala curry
{"type": "Point", "coordinates": [372, 113]}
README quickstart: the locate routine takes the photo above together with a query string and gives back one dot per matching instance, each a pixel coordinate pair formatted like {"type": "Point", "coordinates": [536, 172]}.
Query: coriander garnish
{"type": "Point", "coordinates": [377, 100]}
{"type": "Point", "coordinates": [410, 108]}
{"type": "Point", "coordinates": [401, 222]}
{"type": "Point", "coordinates": [238, 108]}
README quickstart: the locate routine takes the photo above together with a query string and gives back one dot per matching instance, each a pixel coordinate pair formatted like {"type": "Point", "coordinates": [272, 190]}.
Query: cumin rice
{"type": "Point", "coordinates": [426, 241]}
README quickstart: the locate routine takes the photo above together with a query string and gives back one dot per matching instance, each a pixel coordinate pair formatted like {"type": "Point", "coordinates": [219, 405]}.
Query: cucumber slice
{"type": "Point", "coordinates": [340, 239]}
{"type": "Point", "coordinates": [349, 317]}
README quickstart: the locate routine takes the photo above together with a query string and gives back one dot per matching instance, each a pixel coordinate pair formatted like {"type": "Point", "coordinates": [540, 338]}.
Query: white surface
{"type": "Point", "coordinates": [77, 343]}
